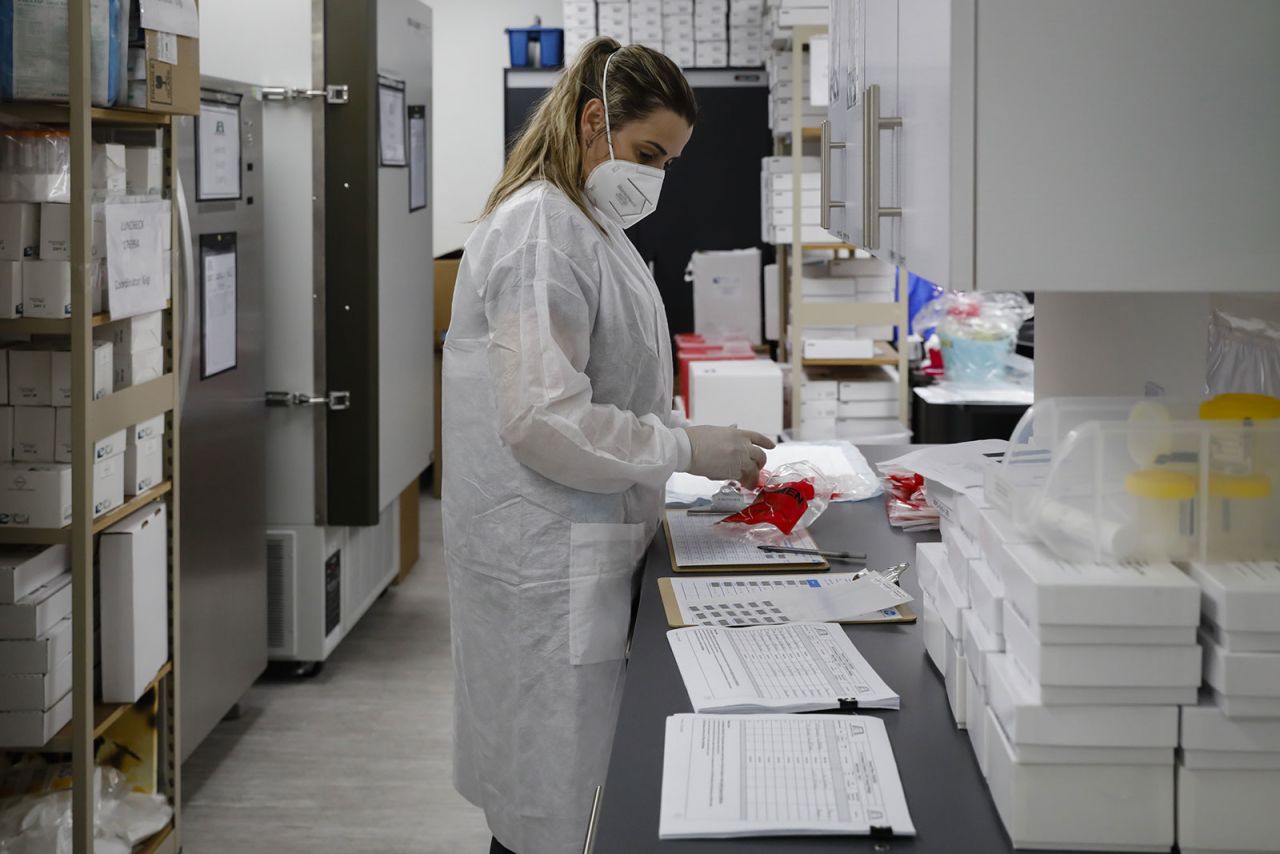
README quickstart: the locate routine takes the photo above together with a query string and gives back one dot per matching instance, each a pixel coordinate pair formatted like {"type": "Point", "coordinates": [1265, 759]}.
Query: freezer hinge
{"type": "Point", "coordinates": [335, 94]}
{"type": "Point", "coordinates": [334, 400]}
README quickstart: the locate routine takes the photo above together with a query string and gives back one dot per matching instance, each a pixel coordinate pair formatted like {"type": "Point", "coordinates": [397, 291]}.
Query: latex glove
{"type": "Point", "coordinates": [727, 453]}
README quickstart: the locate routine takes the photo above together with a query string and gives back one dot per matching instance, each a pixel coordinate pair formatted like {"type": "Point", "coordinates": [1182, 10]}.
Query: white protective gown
{"type": "Point", "coordinates": [558, 440]}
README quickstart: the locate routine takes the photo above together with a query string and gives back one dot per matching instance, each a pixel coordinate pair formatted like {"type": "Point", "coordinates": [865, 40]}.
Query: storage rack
{"type": "Point", "coordinates": [797, 315]}
{"type": "Point", "coordinates": [92, 420]}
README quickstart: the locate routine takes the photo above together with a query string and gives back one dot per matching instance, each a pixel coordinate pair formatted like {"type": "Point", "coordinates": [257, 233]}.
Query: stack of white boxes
{"type": "Point", "coordinates": [711, 33]}
{"type": "Point", "coordinates": [35, 644]}
{"type": "Point", "coordinates": [613, 20]}
{"type": "Point", "coordinates": [137, 345]}
{"type": "Point", "coordinates": [782, 15]}
{"type": "Point", "coordinates": [579, 26]}
{"type": "Point", "coordinates": [646, 23]}
{"type": "Point", "coordinates": [848, 280]}
{"type": "Point", "coordinates": [678, 32]}
{"type": "Point", "coordinates": [853, 403]}
{"type": "Point", "coordinates": [746, 33]}
{"type": "Point", "coordinates": [1229, 767]}
{"type": "Point", "coordinates": [777, 201]}
{"type": "Point", "coordinates": [781, 72]}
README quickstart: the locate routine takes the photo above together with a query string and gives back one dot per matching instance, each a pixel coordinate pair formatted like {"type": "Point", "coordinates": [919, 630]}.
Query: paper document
{"type": "Point", "coordinates": [780, 775]}
{"type": "Point", "coordinates": [842, 602]}
{"type": "Point", "coordinates": [957, 467]}
{"type": "Point", "coordinates": [736, 600]}
{"type": "Point", "coordinates": [695, 541]}
{"type": "Point", "coordinates": [800, 667]}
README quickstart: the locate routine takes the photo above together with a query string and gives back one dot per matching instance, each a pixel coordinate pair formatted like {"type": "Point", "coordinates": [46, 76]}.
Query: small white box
{"type": "Point", "coordinates": [960, 548]}
{"type": "Point", "coordinates": [677, 7]}
{"type": "Point", "coordinates": [929, 559]}
{"type": "Point", "coordinates": [144, 170]}
{"type": "Point", "coordinates": [1240, 596]}
{"type": "Point", "coordinates": [1206, 727]}
{"type": "Point", "coordinates": [1106, 807]}
{"type": "Point", "coordinates": [46, 289]}
{"type": "Point", "coordinates": [1240, 707]}
{"type": "Point", "coordinates": [979, 645]}
{"type": "Point", "coordinates": [25, 568]}
{"type": "Point", "coordinates": [1027, 720]}
{"type": "Point", "coordinates": [969, 505]}
{"type": "Point", "coordinates": [144, 430]}
{"type": "Point", "coordinates": [711, 54]}
{"type": "Point", "coordinates": [19, 231]}
{"type": "Point", "coordinates": [678, 26]}
{"type": "Point", "coordinates": [682, 55]}
{"type": "Point", "coordinates": [868, 408]}
{"type": "Point", "coordinates": [39, 655]}
{"type": "Point", "coordinates": [817, 386]}
{"type": "Point", "coordinates": [110, 172]}
{"type": "Point", "coordinates": [839, 348]}
{"type": "Point", "coordinates": [861, 428]}
{"type": "Point", "coordinates": [784, 182]}
{"type": "Point", "coordinates": [33, 434]}
{"type": "Point", "coordinates": [111, 446]}
{"type": "Point", "coordinates": [878, 383]}
{"type": "Point", "coordinates": [649, 34]}
{"type": "Point", "coordinates": [935, 634]}
{"type": "Point", "coordinates": [34, 729]}
{"type": "Point", "coordinates": [103, 365]}
{"type": "Point", "coordinates": [986, 596]}
{"type": "Point", "coordinates": [1241, 674]}
{"type": "Point", "coordinates": [1227, 810]}
{"type": "Point", "coordinates": [11, 289]}
{"type": "Point", "coordinates": [6, 434]}
{"type": "Point", "coordinates": [39, 611]}
{"type": "Point", "coordinates": [137, 368]}
{"type": "Point", "coordinates": [143, 465]}
{"type": "Point", "coordinates": [30, 377]}
{"type": "Point", "coordinates": [950, 600]}
{"type": "Point", "coordinates": [55, 232]}
{"type": "Point", "coordinates": [1047, 590]}
{"type": "Point", "coordinates": [135, 634]}
{"type": "Point", "coordinates": [822, 410]}
{"type": "Point", "coordinates": [35, 495]}
{"type": "Point", "coordinates": [726, 293]}
{"type": "Point", "coordinates": [1238, 641]}
{"type": "Point", "coordinates": [817, 430]}
{"type": "Point", "coordinates": [780, 167]}
{"type": "Point", "coordinates": [975, 714]}
{"type": "Point", "coordinates": [35, 692]}
{"type": "Point", "coordinates": [747, 393]}
{"type": "Point", "coordinates": [954, 679]}
{"type": "Point", "coordinates": [134, 334]}
{"type": "Point", "coordinates": [108, 485]}
{"type": "Point", "coordinates": [1101, 666]}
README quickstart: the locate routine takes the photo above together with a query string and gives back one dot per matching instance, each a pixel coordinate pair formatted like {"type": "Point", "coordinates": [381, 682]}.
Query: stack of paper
{"type": "Point", "coordinates": [735, 775]}
{"type": "Point", "coordinates": [773, 599]}
{"type": "Point", "coordinates": [799, 667]}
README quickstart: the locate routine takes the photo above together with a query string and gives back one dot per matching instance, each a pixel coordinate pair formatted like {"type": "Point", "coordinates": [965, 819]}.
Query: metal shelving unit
{"type": "Point", "coordinates": [92, 420]}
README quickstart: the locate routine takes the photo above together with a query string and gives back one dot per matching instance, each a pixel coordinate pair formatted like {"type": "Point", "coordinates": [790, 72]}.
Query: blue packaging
{"type": "Point", "coordinates": [116, 48]}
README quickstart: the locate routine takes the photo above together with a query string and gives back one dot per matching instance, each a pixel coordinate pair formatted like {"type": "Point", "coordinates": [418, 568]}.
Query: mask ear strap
{"type": "Point", "coordinates": [604, 91]}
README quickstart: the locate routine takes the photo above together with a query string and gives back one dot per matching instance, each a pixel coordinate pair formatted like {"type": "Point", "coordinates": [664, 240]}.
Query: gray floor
{"type": "Point", "coordinates": [356, 759]}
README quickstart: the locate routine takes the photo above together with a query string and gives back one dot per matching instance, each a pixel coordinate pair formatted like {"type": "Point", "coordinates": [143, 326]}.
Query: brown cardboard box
{"type": "Point", "coordinates": [169, 88]}
{"type": "Point", "coordinates": [410, 527]}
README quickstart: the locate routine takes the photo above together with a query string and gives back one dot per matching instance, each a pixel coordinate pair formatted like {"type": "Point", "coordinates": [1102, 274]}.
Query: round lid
{"type": "Point", "coordinates": [1239, 486]}
{"type": "Point", "coordinates": [1161, 484]}
{"type": "Point", "coordinates": [1238, 407]}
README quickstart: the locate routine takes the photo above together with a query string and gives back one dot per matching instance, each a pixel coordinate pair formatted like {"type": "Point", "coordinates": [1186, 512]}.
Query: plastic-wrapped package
{"type": "Point", "coordinates": [906, 504]}
{"type": "Point", "coordinates": [39, 822]}
{"type": "Point", "coordinates": [978, 330]}
{"type": "Point", "coordinates": [35, 165]}
{"type": "Point", "coordinates": [1244, 356]}
{"type": "Point", "coordinates": [793, 496]}
{"type": "Point", "coordinates": [33, 50]}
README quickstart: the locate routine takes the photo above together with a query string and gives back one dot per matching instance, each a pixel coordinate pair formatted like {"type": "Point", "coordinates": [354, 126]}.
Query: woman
{"type": "Point", "coordinates": [559, 437]}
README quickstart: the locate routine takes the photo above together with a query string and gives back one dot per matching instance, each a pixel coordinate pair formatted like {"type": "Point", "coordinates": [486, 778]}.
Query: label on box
{"type": "Point", "coordinates": [166, 48]}
{"type": "Point", "coordinates": [170, 16]}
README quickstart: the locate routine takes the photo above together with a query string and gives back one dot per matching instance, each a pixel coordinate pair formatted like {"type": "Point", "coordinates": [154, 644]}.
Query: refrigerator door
{"type": "Point", "coordinates": [222, 505]}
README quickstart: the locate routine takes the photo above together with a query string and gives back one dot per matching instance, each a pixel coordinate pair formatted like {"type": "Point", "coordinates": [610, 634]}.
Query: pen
{"type": "Point", "coordinates": [841, 556]}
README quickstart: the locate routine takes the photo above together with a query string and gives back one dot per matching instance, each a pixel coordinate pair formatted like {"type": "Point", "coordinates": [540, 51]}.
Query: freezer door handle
{"type": "Point", "coordinates": [336, 401]}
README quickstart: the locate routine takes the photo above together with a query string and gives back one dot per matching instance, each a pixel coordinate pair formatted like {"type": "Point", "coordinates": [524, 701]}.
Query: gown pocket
{"type": "Point", "coordinates": [602, 562]}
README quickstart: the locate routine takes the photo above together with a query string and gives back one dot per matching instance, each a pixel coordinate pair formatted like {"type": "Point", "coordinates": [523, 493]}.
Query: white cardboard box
{"type": "Point", "coordinates": [6, 434]}
{"type": "Point", "coordinates": [1227, 810]}
{"type": "Point", "coordinates": [19, 231]}
{"type": "Point", "coordinates": [1101, 666]}
{"type": "Point", "coordinates": [986, 597]}
{"type": "Point", "coordinates": [134, 334]}
{"type": "Point", "coordinates": [1027, 720]}
{"type": "Point", "coordinates": [1107, 807]}
{"type": "Point", "coordinates": [137, 368]}
{"type": "Point", "coordinates": [11, 289]}
{"type": "Point", "coordinates": [111, 446]}
{"type": "Point", "coordinates": [34, 729]}
{"type": "Point", "coordinates": [1238, 641]}
{"type": "Point", "coordinates": [1206, 727]}
{"type": "Point", "coordinates": [108, 485]}
{"type": "Point", "coordinates": [839, 348]}
{"type": "Point", "coordinates": [143, 465]}
{"type": "Point", "coordinates": [1241, 674]}
{"type": "Point", "coordinates": [747, 393]}
{"type": "Point", "coordinates": [979, 646]}
{"type": "Point", "coordinates": [996, 530]}
{"type": "Point", "coordinates": [969, 505]}
{"type": "Point", "coordinates": [144, 170]}
{"type": "Point", "coordinates": [929, 559]}
{"type": "Point", "coordinates": [33, 434]}
{"type": "Point", "coordinates": [35, 692]}
{"type": "Point", "coordinates": [960, 548]}
{"type": "Point", "coordinates": [1048, 590]}
{"type": "Point", "coordinates": [35, 495]}
{"type": "Point", "coordinates": [1239, 707]}
{"type": "Point", "coordinates": [38, 655]}
{"type": "Point", "coordinates": [35, 614]}
{"type": "Point", "coordinates": [1240, 596]}
{"type": "Point", "coordinates": [950, 602]}
{"type": "Point", "coordinates": [726, 292]}
{"type": "Point", "coordinates": [60, 366]}
{"type": "Point", "coordinates": [955, 678]}
{"type": "Point", "coordinates": [55, 232]}
{"type": "Point", "coordinates": [819, 410]}
{"type": "Point", "coordinates": [817, 429]}
{"type": "Point", "coordinates": [868, 408]}
{"type": "Point", "coordinates": [816, 386]}
{"type": "Point", "coordinates": [874, 383]}
{"type": "Point", "coordinates": [25, 568]}
{"type": "Point", "coordinates": [110, 173]}
{"type": "Point", "coordinates": [146, 429]}
{"type": "Point", "coordinates": [710, 54]}
{"type": "Point", "coordinates": [46, 289]}
{"type": "Point", "coordinates": [975, 713]}
{"type": "Point", "coordinates": [935, 634]}
{"type": "Point", "coordinates": [135, 634]}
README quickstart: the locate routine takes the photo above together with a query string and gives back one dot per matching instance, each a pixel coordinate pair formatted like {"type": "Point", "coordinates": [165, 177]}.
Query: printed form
{"type": "Point", "coordinates": [779, 775]}
{"type": "Point", "coordinates": [798, 667]}
{"type": "Point", "coordinates": [753, 600]}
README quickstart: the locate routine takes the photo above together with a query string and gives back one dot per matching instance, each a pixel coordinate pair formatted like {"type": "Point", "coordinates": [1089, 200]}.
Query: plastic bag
{"type": "Point", "coordinates": [978, 330]}
{"type": "Point", "coordinates": [793, 496]}
{"type": "Point", "coordinates": [1244, 356]}
{"type": "Point", "coordinates": [906, 504]}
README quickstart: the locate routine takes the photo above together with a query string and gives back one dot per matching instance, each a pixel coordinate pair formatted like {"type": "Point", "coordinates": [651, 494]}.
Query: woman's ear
{"type": "Point", "coordinates": [592, 122]}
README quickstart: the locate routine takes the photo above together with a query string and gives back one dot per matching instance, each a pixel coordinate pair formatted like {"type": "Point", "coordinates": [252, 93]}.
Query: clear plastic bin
{"type": "Point", "coordinates": [35, 165]}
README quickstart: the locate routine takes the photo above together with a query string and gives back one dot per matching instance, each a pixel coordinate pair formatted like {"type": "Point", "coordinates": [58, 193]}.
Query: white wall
{"type": "Point", "coordinates": [470, 53]}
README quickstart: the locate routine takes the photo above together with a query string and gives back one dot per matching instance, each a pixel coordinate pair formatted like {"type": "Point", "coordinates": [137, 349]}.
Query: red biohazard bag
{"type": "Point", "coordinates": [793, 496]}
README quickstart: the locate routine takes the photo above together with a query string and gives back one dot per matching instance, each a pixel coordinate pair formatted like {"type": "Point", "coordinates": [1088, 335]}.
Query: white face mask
{"type": "Point", "coordinates": [624, 191]}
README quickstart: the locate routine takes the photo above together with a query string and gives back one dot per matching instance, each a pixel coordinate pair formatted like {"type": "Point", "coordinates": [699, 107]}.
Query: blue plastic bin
{"type": "Point", "coordinates": [550, 46]}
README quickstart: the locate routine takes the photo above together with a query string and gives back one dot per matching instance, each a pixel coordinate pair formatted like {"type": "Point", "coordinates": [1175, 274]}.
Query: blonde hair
{"type": "Point", "coordinates": [641, 80]}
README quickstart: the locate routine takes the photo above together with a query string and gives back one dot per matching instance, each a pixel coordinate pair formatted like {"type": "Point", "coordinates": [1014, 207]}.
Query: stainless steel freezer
{"type": "Point", "coordinates": [223, 505]}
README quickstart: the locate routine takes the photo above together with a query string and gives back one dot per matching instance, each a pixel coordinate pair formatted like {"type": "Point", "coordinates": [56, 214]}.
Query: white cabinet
{"type": "Point", "coordinates": [1069, 145]}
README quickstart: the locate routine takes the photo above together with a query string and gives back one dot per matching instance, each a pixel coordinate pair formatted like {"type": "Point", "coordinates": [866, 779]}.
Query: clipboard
{"type": "Point", "coordinates": [765, 564]}
{"type": "Point", "coordinates": [671, 608]}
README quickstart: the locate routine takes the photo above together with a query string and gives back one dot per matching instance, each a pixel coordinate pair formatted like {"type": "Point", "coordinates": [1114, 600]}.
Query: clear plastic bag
{"type": "Point", "coordinates": [35, 165]}
{"type": "Point", "coordinates": [792, 497]}
{"type": "Point", "coordinates": [906, 504]}
{"type": "Point", "coordinates": [1244, 356]}
{"type": "Point", "coordinates": [977, 330]}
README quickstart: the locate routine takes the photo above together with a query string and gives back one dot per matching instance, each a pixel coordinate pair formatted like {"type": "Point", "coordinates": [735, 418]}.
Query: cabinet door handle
{"type": "Point", "coordinates": [872, 124]}
{"type": "Point", "coordinates": [826, 202]}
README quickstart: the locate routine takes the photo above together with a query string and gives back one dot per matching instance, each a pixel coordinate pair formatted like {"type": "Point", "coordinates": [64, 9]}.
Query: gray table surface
{"type": "Point", "coordinates": [949, 802]}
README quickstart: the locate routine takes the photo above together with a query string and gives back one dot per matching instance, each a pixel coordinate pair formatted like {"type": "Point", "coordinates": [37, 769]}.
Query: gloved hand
{"type": "Point", "coordinates": [727, 453]}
